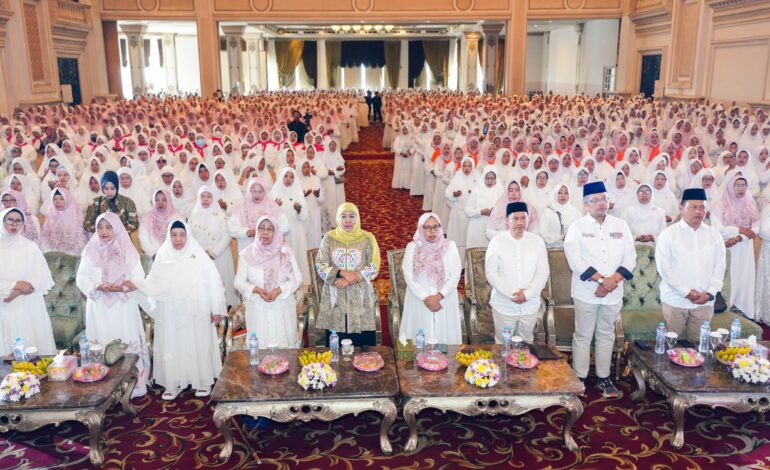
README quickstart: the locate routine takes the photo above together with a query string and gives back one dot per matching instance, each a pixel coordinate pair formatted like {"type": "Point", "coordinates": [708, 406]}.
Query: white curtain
{"type": "Point", "coordinates": [371, 80]}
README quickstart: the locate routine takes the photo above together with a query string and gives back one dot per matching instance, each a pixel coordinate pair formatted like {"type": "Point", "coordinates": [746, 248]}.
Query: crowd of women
{"type": "Point", "coordinates": [178, 179]}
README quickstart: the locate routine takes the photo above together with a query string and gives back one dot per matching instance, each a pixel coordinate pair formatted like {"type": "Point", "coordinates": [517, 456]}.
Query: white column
{"type": "Point", "coordinates": [403, 68]}
{"type": "Point", "coordinates": [233, 37]}
{"type": "Point", "coordinates": [492, 36]}
{"type": "Point", "coordinates": [252, 79]}
{"type": "Point", "coordinates": [471, 60]}
{"type": "Point", "coordinates": [579, 87]}
{"type": "Point", "coordinates": [135, 35]}
{"type": "Point", "coordinates": [452, 80]}
{"type": "Point", "coordinates": [322, 78]}
{"type": "Point", "coordinates": [272, 66]}
{"type": "Point", "coordinates": [462, 64]}
{"type": "Point", "coordinates": [169, 64]}
{"type": "Point", "coordinates": [263, 64]}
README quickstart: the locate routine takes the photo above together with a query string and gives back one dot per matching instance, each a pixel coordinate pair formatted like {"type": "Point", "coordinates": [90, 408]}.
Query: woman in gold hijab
{"type": "Point", "coordinates": [348, 261]}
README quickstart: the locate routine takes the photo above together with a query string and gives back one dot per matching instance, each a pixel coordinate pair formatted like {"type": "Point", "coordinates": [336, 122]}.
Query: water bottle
{"type": "Point", "coordinates": [705, 335]}
{"type": "Point", "coordinates": [660, 339]}
{"type": "Point", "coordinates": [253, 349]}
{"type": "Point", "coordinates": [334, 345]}
{"type": "Point", "coordinates": [84, 361]}
{"type": "Point", "coordinates": [735, 331]}
{"type": "Point", "coordinates": [19, 354]}
{"type": "Point", "coordinates": [506, 341]}
{"type": "Point", "coordinates": [419, 342]}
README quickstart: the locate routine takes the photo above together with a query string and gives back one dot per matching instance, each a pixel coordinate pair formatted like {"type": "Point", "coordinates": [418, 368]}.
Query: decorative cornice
{"type": "Point", "coordinates": [725, 4]}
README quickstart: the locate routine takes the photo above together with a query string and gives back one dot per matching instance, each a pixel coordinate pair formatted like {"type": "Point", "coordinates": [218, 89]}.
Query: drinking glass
{"type": "Point", "coordinates": [714, 339]}
{"type": "Point", "coordinates": [671, 338]}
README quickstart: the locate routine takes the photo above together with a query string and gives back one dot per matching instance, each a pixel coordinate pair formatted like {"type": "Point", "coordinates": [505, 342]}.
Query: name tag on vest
{"type": "Point", "coordinates": [616, 235]}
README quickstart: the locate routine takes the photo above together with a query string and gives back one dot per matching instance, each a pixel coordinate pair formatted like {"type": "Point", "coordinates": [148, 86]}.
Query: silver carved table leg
{"type": "Point", "coordinates": [284, 412]}
{"type": "Point", "coordinates": [492, 406]}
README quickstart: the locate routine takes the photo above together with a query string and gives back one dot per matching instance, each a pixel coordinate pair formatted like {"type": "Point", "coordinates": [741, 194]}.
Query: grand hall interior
{"type": "Point", "coordinates": [384, 234]}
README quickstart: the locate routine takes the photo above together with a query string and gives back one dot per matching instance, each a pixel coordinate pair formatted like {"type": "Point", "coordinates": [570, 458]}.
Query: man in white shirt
{"type": "Point", "coordinates": [690, 257]}
{"type": "Point", "coordinates": [516, 265]}
{"type": "Point", "coordinates": [601, 254]}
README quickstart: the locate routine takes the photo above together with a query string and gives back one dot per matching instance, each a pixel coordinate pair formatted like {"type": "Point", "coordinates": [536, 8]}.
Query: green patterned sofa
{"type": "Point", "coordinates": [641, 301]}
{"type": "Point", "coordinates": [478, 313]}
{"type": "Point", "coordinates": [398, 293]}
{"type": "Point", "coordinates": [66, 307]}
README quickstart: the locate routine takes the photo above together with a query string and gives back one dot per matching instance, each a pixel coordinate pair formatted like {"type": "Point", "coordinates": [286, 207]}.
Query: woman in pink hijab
{"type": "Point", "coordinates": [31, 230]}
{"type": "Point", "coordinates": [152, 230]}
{"type": "Point", "coordinates": [737, 217]}
{"type": "Point", "coordinates": [63, 225]}
{"type": "Point", "coordinates": [432, 271]}
{"type": "Point", "coordinates": [109, 259]}
{"type": "Point", "coordinates": [257, 203]}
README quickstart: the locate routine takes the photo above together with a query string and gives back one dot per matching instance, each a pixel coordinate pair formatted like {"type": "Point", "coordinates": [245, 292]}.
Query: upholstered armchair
{"type": "Point", "coordinates": [398, 293]}
{"type": "Point", "coordinates": [560, 311]}
{"type": "Point", "coordinates": [65, 305]}
{"type": "Point", "coordinates": [480, 323]}
{"type": "Point", "coordinates": [316, 337]}
{"type": "Point", "coordinates": [641, 301]}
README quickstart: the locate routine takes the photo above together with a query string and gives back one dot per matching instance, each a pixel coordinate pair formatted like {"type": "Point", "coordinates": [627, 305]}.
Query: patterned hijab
{"type": "Point", "coordinates": [429, 256]}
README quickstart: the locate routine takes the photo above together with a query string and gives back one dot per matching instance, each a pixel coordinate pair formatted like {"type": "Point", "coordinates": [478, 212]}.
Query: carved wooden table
{"type": "Point", "coordinates": [242, 390]}
{"type": "Point", "coordinates": [519, 391]}
{"type": "Point", "coordinates": [711, 385]}
{"type": "Point", "coordinates": [73, 401]}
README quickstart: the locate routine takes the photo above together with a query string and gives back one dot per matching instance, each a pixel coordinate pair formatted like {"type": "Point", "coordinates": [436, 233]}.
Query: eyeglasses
{"type": "Point", "coordinates": [12, 222]}
{"type": "Point", "coordinates": [596, 201]}
{"type": "Point", "coordinates": [740, 185]}
{"type": "Point", "coordinates": [644, 191]}
{"type": "Point", "coordinates": [431, 228]}
{"type": "Point", "coordinates": [8, 199]}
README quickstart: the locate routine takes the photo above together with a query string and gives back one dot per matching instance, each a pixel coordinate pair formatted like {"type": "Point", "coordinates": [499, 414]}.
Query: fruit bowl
{"type": "Point", "coordinates": [273, 364]}
{"type": "Point", "coordinates": [308, 356]}
{"type": "Point", "coordinates": [432, 360]}
{"type": "Point", "coordinates": [686, 357]}
{"type": "Point", "coordinates": [522, 359]}
{"type": "Point", "coordinates": [466, 356]}
{"type": "Point", "coordinates": [728, 355]}
{"type": "Point", "coordinates": [39, 367]}
{"type": "Point", "coordinates": [368, 362]}
{"type": "Point", "coordinates": [90, 373]}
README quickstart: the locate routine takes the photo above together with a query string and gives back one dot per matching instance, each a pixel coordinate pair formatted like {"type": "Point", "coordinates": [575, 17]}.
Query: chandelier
{"type": "Point", "coordinates": [363, 28]}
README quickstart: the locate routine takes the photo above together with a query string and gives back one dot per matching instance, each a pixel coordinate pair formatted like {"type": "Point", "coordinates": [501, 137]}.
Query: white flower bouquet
{"type": "Point", "coordinates": [752, 369]}
{"type": "Point", "coordinates": [482, 373]}
{"type": "Point", "coordinates": [18, 385]}
{"type": "Point", "coordinates": [317, 376]}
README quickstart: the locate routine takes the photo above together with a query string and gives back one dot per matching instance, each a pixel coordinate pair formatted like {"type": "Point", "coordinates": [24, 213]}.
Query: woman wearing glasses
{"type": "Point", "coordinates": [432, 270]}
{"type": "Point", "coordinates": [24, 280]}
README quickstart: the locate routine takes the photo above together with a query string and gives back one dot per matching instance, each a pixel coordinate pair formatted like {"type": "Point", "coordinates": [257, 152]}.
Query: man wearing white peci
{"type": "Point", "coordinates": [601, 254]}
{"type": "Point", "coordinates": [516, 265]}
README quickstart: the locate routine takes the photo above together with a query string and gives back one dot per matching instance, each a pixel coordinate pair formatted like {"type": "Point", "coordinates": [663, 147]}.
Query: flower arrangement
{"type": "Point", "coordinates": [18, 385]}
{"type": "Point", "coordinates": [752, 369]}
{"type": "Point", "coordinates": [317, 376]}
{"type": "Point", "coordinates": [482, 373]}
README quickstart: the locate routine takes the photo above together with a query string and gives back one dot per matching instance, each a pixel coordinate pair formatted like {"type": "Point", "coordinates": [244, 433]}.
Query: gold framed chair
{"type": "Point", "coordinates": [64, 302]}
{"type": "Point", "coordinates": [398, 293]}
{"type": "Point", "coordinates": [316, 336]}
{"type": "Point", "coordinates": [480, 323]}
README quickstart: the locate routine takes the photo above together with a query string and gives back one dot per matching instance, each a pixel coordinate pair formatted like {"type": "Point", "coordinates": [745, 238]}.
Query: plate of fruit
{"type": "Point", "coordinates": [368, 362]}
{"type": "Point", "coordinates": [686, 357]}
{"type": "Point", "coordinates": [308, 356]}
{"type": "Point", "coordinates": [90, 373]}
{"type": "Point", "coordinates": [466, 356]}
{"type": "Point", "coordinates": [727, 355]}
{"type": "Point", "coordinates": [522, 359]}
{"type": "Point", "coordinates": [432, 360]}
{"type": "Point", "coordinates": [273, 364]}
{"type": "Point", "coordinates": [39, 367]}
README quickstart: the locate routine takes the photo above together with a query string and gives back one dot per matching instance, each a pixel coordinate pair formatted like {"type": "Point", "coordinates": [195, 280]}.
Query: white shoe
{"type": "Point", "coordinates": [203, 392]}
{"type": "Point", "coordinates": [170, 395]}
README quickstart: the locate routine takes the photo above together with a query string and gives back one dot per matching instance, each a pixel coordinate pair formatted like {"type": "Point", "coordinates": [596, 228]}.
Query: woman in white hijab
{"type": "Point", "coordinates": [402, 163]}
{"type": "Point", "coordinates": [660, 163]}
{"type": "Point", "coordinates": [181, 197]}
{"type": "Point", "coordinates": [558, 216]}
{"type": "Point", "coordinates": [313, 191]}
{"type": "Point", "coordinates": [27, 177]}
{"type": "Point", "coordinates": [287, 193]}
{"type": "Point", "coordinates": [443, 169]}
{"type": "Point", "coordinates": [24, 280]}
{"type": "Point", "coordinates": [538, 194]}
{"type": "Point", "coordinates": [131, 189]}
{"type": "Point", "coordinates": [479, 206]}
{"type": "Point", "coordinates": [644, 217]}
{"type": "Point", "coordinates": [227, 193]}
{"type": "Point", "coordinates": [458, 191]}
{"type": "Point", "coordinates": [186, 292]}
{"type": "Point", "coordinates": [334, 184]}
{"type": "Point", "coordinates": [706, 180]}
{"type": "Point", "coordinates": [634, 159]}
{"type": "Point", "coordinates": [209, 225]}
{"type": "Point", "coordinates": [663, 197]}
{"type": "Point", "coordinates": [268, 277]}
{"type": "Point", "coordinates": [620, 192]}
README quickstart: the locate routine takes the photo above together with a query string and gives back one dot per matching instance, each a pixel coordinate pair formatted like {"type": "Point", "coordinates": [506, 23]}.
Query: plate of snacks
{"type": "Point", "coordinates": [90, 373]}
{"type": "Point", "coordinates": [432, 360]}
{"type": "Point", "coordinates": [466, 356]}
{"type": "Point", "coordinates": [368, 362]}
{"type": "Point", "coordinates": [686, 357]}
{"type": "Point", "coordinates": [273, 364]}
{"type": "Point", "coordinates": [522, 359]}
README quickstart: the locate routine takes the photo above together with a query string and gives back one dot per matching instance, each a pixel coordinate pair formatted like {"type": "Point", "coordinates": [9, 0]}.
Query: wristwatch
{"type": "Point", "coordinates": [600, 280]}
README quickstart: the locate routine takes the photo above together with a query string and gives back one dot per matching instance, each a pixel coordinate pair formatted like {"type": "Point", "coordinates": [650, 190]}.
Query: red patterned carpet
{"type": "Point", "coordinates": [612, 434]}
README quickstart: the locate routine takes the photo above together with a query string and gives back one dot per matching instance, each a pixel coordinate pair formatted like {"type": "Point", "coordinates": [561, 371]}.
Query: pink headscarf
{"type": "Point", "coordinates": [739, 212]}
{"type": "Point", "coordinates": [158, 220]}
{"type": "Point", "coordinates": [63, 229]}
{"type": "Point", "coordinates": [251, 211]}
{"type": "Point", "coordinates": [115, 258]}
{"type": "Point", "coordinates": [274, 259]}
{"type": "Point", "coordinates": [499, 221]}
{"type": "Point", "coordinates": [429, 257]}
{"type": "Point", "coordinates": [29, 231]}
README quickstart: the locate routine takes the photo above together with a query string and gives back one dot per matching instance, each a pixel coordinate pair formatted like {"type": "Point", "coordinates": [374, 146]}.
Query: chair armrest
{"type": "Point", "coordinates": [302, 308]}
{"type": "Point", "coordinates": [312, 335]}
{"type": "Point", "coordinates": [471, 317]}
{"type": "Point", "coordinates": [149, 329]}
{"type": "Point", "coordinates": [550, 323]}
{"type": "Point", "coordinates": [378, 321]}
{"type": "Point", "coordinates": [539, 332]}
{"type": "Point", "coordinates": [620, 336]}
{"type": "Point", "coordinates": [394, 315]}
{"type": "Point", "coordinates": [222, 332]}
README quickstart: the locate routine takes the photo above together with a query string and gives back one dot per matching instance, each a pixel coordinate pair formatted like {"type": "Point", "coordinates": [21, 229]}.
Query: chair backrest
{"type": "Point", "coordinates": [479, 286]}
{"type": "Point", "coordinates": [315, 279]}
{"type": "Point", "coordinates": [559, 283]}
{"type": "Point", "coordinates": [397, 281]}
{"type": "Point", "coordinates": [64, 299]}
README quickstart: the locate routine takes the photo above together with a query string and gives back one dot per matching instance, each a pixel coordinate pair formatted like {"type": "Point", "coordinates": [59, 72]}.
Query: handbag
{"type": "Point", "coordinates": [339, 179]}
{"type": "Point", "coordinates": [114, 352]}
